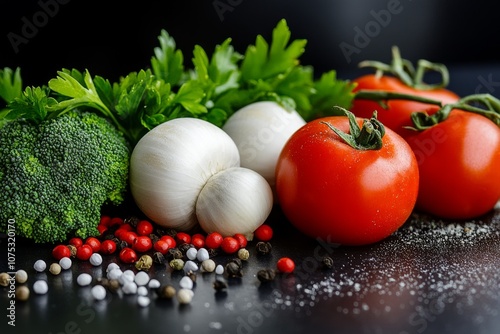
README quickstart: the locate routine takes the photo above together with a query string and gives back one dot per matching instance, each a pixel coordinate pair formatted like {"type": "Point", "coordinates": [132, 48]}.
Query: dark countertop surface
{"type": "Point", "coordinates": [431, 276]}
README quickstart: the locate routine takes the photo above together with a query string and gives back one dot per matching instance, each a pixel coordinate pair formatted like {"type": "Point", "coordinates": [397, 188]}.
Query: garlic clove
{"type": "Point", "coordinates": [260, 130]}
{"type": "Point", "coordinates": [235, 200]}
{"type": "Point", "coordinates": [170, 165]}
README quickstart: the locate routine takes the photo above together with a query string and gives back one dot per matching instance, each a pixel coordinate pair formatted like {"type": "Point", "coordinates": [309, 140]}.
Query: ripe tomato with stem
{"type": "Point", "coordinates": [347, 180]}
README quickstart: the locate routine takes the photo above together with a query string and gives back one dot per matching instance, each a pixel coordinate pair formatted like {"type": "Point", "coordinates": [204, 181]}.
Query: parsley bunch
{"type": "Point", "coordinates": [214, 87]}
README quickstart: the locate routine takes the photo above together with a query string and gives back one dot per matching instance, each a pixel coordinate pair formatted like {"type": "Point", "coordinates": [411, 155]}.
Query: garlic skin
{"type": "Point", "coordinates": [171, 164]}
{"type": "Point", "coordinates": [235, 200]}
{"type": "Point", "coordinates": [260, 130]}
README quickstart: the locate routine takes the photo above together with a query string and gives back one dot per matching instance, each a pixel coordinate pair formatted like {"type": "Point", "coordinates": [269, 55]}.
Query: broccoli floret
{"type": "Point", "coordinates": [55, 176]}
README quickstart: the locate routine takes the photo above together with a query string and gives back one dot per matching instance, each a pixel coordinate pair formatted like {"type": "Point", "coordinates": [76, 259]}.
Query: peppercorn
{"type": "Point", "coordinates": [144, 263]}
{"type": "Point", "coordinates": [72, 250]}
{"type": "Point", "coordinates": [177, 264]}
{"type": "Point", "coordinates": [184, 296]}
{"type": "Point", "coordinates": [327, 262]}
{"type": "Point", "coordinates": [55, 269]}
{"type": "Point", "coordinates": [121, 244]}
{"type": "Point", "coordinates": [238, 262]}
{"type": "Point", "coordinates": [212, 252]}
{"type": "Point", "coordinates": [21, 276]}
{"type": "Point", "coordinates": [192, 276]}
{"type": "Point", "coordinates": [4, 279]}
{"type": "Point", "coordinates": [266, 275]}
{"type": "Point", "coordinates": [263, 247]}
{"type": "Point", "coordinates": [208, 266]}
{"type": "Point", "coordinates": [233, 269]}
{"type": "Point", "coordinates": [184, 247]}
{"type": "Point", "coordinates": [158, 258]}
{"type": "Point", "coordinates": [154, 238]}
{"type": "Point", "coordinates": [166, 292]}
{"type": "Point", "coordinates": [219, 285]}
{"type": "Point", "coordinates": [174, 253]}
{"type": "Point", "coordinates": [132, 221]}
{"type": "Point", "coordinates": [22, 293]}
{"type": "Point", "coordinates": [243, 254]}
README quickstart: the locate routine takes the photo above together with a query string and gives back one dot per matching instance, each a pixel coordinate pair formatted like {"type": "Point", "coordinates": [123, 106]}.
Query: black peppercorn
{"type": "Point", "coordinates": [327, 262]}
{"type": "Point", "coordinates": [122, 244]}
{"type": "Point", "coordinates": [158, 258]}
{"type": "Point", "coordinates": [166, 292]}
{"type": "Point", "coordinates": [154, 238]}
{"type": "Point", "coordinates": [174, 253]}
{"type": "Point", "coordinates": [233, 269]}
{"type": "Point", "coordinates": [219, 285]}
{"type": "Point", "coordinates": [263, 247]}
{"type": "Point", "coordinates": [132, 221]}
{"type": "Point", "coordinates": [184, 247]}
{"type": "Point", "coordinates": [212, 252]}
{"type": "Point", "coordinates": [266, 275]}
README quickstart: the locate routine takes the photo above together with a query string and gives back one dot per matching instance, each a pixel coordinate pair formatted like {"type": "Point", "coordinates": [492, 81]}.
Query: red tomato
{"type": "Point", "coordinates": [397, 115]}
{"type": "Point", "coordinates": [459, 162]}
{"type": "Point", "coordinates": [330, 190]}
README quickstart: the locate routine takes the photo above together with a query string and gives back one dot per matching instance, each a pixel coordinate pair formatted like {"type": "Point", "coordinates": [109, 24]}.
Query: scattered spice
{"type": "Point", "coordinates": [177, 264]}
{"type": "Point", "coordinates": [166, 292]}
{"type": "Point", "coordinates": [263, 247]}
{"type": "Point", "coordinates": [219, 285]}
{"type": "Point", "coordinates": [72, 250]}
{"type": "Point", "coordinates": [266, 275]}
{"type": "Point", "coordinates": [184, 296]}
{"type": "Point", "coordinates": [4, 279]}
{"type": "Point", "coordinates": [174, 253]}
{"type": "Point", "coordinates": [55, 269]}
{"type": "Point", "coordinates": [233, 269]}
{"type": "Point", "coordinates": [327, 262]}
{"type": "Point", "coordinates": [158, 258]}
{"type": "Point", "coordinates": [144, 263]}
{"type": "Point", "coordinates": [243, 254]}
{"type": "Point", "coordinates": [21, 276]}
{"type": "Point", "coordinates": [22, 293]}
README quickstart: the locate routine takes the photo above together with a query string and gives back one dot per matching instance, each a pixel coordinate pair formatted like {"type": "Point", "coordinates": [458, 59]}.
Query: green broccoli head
{"type": "Point", "coordinates": [55, 176]}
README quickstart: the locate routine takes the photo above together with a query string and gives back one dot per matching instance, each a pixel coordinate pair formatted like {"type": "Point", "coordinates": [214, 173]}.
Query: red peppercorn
{"type": "Point", "coordinates": [101, 228]}
{"type": "Point", "coordinates": [241, 239]}
{"type": "Point", "coordinates": [75, 241]}
{"type": "Point", "coordinates": [84, 252]}
{"type": "Point", "coordinates": [230, 245]}
{"type": "Point", "coordinates": [182, 238]}
{"type": "Point", "coordinates": [169, 240]}
{"type": "Point", "coordinates": [144, 227]}
{"type": "Point", "coordinates": [105, 220]}
{"type": "Point", "coordinates": [129, 237]}
{"type": "Point", "coordinates": [61, 251]}
{"type": "Point", "coordinates": [161, 246]}
{"type": "Point", "coordinates": [142, 244]}
{"type": "Point", "coordinates": [128, 255]}
{"type": "Point", "coordinates": [285, 265]}
{"type": "Point", "coordinates": [198, 240]}
{"type": "Point", "coordinates": [214, 240]}
{"type": "Point", "coordinates": [108, 247]}
{"type": "Point", "coordinates": [263, 232]}
{"type": "Point", "coordinates": [116, 221]}
{"type": "Point", "coordinates": [94, 243]}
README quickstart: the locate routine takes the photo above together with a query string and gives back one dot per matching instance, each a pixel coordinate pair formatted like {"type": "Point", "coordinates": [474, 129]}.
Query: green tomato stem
{"type": "Point", "coordinates": [403, 69]}
{"type": "Point", "coordinates": [367, 137]}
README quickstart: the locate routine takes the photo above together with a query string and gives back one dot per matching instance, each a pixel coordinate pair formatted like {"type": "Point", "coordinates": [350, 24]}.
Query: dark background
{"type": "Point", "coordinates": [112, 39]}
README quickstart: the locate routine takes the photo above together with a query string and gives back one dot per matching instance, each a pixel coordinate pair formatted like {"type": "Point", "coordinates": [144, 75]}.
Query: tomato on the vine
{"type": "Point", "coordinates": [400, 79]}
{"type": "Point", "coordinates": [459, 162]}
{"type": "Point", "coordinates": [352, 195]}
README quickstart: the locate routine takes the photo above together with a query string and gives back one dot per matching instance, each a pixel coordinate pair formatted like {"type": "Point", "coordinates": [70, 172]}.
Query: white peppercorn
{"type": "Point", "coordinates": [4, 279]}
{"type": "Point", "coordinates": [98, 292]}
{"type": "Point", "coordinates": [95, 259]}
{"type": "Point", "coordinates": [141, 278]}
{"type": "Point", "coordinates": [202, 254]}
{"type": "Point", "coordinates": [40, 287]}
{"type": "Point", "coordinates": [65, 263]}
{"type": "Point", "coordinates": [154, 283]}
{"type": "Point", "coordinates": [55, 269]}
{"type": "Point", "coordinates": [40, 265]}
{"type": "Point", "coordinates": [184, 296]}
{"type": "Point", "coordinates": [114, 273]}
{"type": "Point", "coordinates": [143, 301]}
{"type": "Point", "coordinates": [112, 266]}
{"type": "Point", "coordinates": [130, 288]}
{"type": "Point", "coordinates": [219, 270]}
{"type": "Point", "coordinates": [208, 266]}
{"type": "Point", "coordinates": [190, 266]}
{"type": "Point", "coordinates": [186, 283]}
{"type": "Point", "coordinates": [142, 291]}
{"type": "Point", "coordinates": [191, 253]}
{"type": "Point", "coordinates": [84, 279]}
{"type": "Point", "coordinates": [21, 276]}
